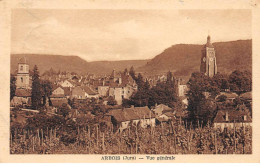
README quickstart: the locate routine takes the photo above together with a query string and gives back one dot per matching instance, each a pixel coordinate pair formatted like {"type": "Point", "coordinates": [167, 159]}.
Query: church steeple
{"type": "Point", "coordinates": [208, 59]}
{"type": "Point", "coordinates": [209, 44]}
{"type": "Point", "coordinates": [208, 39]}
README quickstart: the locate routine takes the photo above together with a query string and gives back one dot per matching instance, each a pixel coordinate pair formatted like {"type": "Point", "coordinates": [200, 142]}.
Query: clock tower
{"type": "Point", "coordinates": [208, 59]}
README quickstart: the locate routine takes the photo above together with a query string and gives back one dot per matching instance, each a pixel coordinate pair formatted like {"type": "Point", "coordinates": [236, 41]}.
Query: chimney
{"type": "Point", "coordinates": [226, 116]}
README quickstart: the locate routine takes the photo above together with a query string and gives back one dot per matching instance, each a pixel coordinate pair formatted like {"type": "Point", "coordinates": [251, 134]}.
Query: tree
{"type": "Point", "coordinates": [140, 82]}
{"type": "Point", "coordinates": [162, 93]}
{"type": "Point", "coordinates": [47, 90]}
{"type": "Point", "coordinates": [12, 87]}
{"type": "Point", "coordinates": [146, 85]}
{"type": "Point", "coordinates": [198, 84]}
{"type": "Point", "coordinates": [36, 89]}
{"type": "Point", "coordinates": [206, 110]}
{"type": "Point", "coordinates": [126, 103]}
{"type": "Point", "coordinates": [125, 71]}
{"type": "Point", "coordinates": [221, 81]}
{"type": "Point", "coordinates": [132, 73]}
{"type": "Point", "coordinates": [240, 81]}
{"type": "Point", "coordinates": [142, 96]}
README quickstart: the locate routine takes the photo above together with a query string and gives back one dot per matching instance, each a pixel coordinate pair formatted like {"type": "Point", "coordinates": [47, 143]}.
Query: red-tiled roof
{"type": "Point", "coordinates": [144, 112]}
{"type": "Point", "coordinates": [163, 107]}
{"type": "Point", "coordinates": [67, 91]}
{"type": "Point", "coordinates": [23, 93]}
{"type": "Point", "coordinates": [128, 114]}
{"type": "Point", "coordinates": [246, 96]}
{"type": "Point", "coordinates": [88, 90]}
{"type": "Point", "coordinates": [118, 114]}
{"type": "Point", "coordinates": [233, 116]}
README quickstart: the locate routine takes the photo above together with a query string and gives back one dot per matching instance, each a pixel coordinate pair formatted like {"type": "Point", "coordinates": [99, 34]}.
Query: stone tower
{"type": "Point", "coordinates": [208, 59]}
{"type": "Point", "coordinates": [23, 78]}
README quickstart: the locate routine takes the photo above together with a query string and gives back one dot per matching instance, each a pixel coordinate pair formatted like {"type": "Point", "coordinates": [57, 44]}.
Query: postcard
{"type": "Point", "coordinates": [129, 81]}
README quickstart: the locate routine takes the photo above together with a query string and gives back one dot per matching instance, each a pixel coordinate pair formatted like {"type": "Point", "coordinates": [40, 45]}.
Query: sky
{"type": "Point", "coordinates": [121, 34]}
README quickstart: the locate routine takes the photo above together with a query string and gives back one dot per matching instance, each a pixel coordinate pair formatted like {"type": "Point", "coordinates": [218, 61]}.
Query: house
{"type": "Point", "coordinates": [230, 96]}
{"type": "Point", "coordinates": [123, 118]}
{"type": "Point", "coordinates": [167, 116]}
{"type": "Point", "coordinates": [120, 118]}
{"type": "Point", "coordinates": [59, 96]}
{"type": "Point", "coordinates": [158, 110]}
{"type": "Point", "coordinates": [147, 117]}
{"type": "Point", "coordinates": [121, 92]}
{"type": "Point", "coordinates": [118, 85]}
{"type": "Point", "coordinates": [67, 83]}
{"type": "Point", "coordinates": [22, 97]}
{"type": "Point", "coordinates": [58, 92]}
{"type": "Point", "coordinates": [78, 93]}
{"type": "Point", "coordinates": [232, 118]}
{"type": "Point", "coordinates": [89, 93]}
{"type": "Point", "coordinates": [83, 92]}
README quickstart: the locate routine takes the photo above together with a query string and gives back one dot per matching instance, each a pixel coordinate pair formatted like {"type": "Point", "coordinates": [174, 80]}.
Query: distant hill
{"type": "Point", "coordinates": [73, 64]}
{"type": "Point", "coordinates": [183, 59]}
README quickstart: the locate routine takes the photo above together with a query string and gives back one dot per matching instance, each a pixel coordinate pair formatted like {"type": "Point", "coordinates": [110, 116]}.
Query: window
{"type": "Point", "coordinates": [22, 79]}
{"type": "Point", "coordinates": [21, 68]}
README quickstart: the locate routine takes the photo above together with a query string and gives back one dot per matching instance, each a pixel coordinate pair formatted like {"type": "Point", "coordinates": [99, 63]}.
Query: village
{"type": "Point", "coordinates": [125, 99]}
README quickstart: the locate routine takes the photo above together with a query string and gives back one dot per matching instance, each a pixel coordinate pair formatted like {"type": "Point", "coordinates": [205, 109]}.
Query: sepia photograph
{"type": "Point", "coordinates": [103, 81]}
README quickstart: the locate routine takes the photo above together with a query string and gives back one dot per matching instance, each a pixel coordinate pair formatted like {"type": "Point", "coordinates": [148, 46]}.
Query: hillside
{"type": "Point", "coordinates": [73, 63]}
{"type": "Point", "coordinates": [183, 59]}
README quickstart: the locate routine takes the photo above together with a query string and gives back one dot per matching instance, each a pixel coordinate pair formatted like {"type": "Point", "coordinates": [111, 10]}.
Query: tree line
{"type": "Point", "coordinates": [203, 91]}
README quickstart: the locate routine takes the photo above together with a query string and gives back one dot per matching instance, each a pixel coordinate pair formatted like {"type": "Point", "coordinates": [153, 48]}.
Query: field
{"type": "Point", "coordinates": [166, 138]}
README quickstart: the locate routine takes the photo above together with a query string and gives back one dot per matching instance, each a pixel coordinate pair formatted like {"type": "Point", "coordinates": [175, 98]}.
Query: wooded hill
{"type": "Point", "coordinates": [183, 59]}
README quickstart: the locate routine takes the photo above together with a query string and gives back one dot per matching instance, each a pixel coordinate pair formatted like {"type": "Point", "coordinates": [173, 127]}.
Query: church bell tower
{"type": "Point", "coordinates": [208, 59]}
{"type": "Point", "coordinates": [23, 78]}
